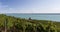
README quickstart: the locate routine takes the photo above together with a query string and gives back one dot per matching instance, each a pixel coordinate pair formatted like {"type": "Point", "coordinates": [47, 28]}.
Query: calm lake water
{"type": "Point", "coordinates": [53, 17]}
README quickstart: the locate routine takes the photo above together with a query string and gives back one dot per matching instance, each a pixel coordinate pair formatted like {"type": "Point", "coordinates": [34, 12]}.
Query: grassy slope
{"type": "Point", "coordinates": [11, 18]}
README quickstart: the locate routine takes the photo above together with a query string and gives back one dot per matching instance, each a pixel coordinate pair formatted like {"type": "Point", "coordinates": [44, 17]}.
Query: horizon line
{"type": "Point", "coordinates": [34, 13]}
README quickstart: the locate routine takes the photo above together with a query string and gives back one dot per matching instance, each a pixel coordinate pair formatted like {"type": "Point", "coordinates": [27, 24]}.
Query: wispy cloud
{"type": "Point", "coordinates": [30, 6]}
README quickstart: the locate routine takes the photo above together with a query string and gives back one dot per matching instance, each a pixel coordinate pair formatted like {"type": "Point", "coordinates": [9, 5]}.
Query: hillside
{"type": "Point", "coordinates": [11, 23]}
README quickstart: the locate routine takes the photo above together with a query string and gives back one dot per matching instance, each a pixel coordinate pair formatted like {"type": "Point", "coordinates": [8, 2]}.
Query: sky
{"type": "Point", "coordinates": [29, 6]}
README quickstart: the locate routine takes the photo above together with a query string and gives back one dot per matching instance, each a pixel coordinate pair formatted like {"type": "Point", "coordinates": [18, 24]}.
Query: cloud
{"type": "Point", "coordinates": [31, 7]}
{"type": "Point", "coordinates": [5, 9]}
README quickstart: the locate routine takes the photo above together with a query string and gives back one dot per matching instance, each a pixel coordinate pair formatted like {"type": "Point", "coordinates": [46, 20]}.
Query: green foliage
{"type": "Point", "coordinates": [14, 24]}
{"type": "Point", "coordinates": [51, 27]}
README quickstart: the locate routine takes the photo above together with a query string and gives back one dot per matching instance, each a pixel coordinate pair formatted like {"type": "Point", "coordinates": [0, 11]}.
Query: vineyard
{"type": "Point", "coordinates": [14, 24]}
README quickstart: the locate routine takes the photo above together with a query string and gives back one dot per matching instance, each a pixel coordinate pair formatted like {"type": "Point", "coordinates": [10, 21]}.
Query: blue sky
{"type": "Point", "coordinates": [29, 6]}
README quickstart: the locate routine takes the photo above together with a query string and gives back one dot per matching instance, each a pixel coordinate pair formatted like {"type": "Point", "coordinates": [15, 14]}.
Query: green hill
{"type": "Point", "coordinates": [25, 25]}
